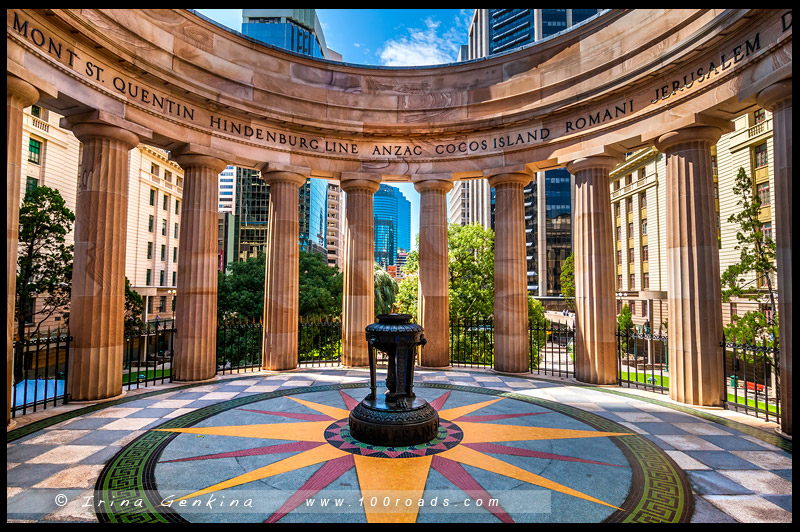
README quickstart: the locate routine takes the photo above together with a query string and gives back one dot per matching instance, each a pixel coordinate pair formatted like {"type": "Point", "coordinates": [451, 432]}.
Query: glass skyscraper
{"type": "Point", "coordinates": [297, 30]}
{"type": "Point", "coordinates": [548, 199]}
{"type": "Point", "coordinates": [391, 213]}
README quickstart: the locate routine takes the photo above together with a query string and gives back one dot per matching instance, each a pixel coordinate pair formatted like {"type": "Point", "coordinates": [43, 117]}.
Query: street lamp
{"type": "Point", "coordinates": [174, 294]}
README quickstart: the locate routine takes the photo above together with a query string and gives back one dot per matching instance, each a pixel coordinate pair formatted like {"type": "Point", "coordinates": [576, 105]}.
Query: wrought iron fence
{"type": "Point", "coordinates": [239, 346]}
{"type": "Point", "coordinates": [41, 367]}
{"type": "Point", "coordinates": [752, 378]}
{"type": "Point", "coordinates": [319, 341]}
{"type": "Point", "coordinates": [148, 355]}
{"type": "Point", "coordinates": [549, 345]}
{"type": "Point", "coordinates": [552, 348]}
{"type": "Point", "coordinates": [642, 360]}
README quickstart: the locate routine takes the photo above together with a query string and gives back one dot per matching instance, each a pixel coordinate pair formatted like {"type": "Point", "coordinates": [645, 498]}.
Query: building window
{"type": "Point", "coordinates": [161, 278]}
{"type": "Point", "coordinates": [151, 223]}
{"type": "Point", "coordinates": [766, 231]}
{"type": "Point", "coordinates": [174, 283]}
{"type": "Point", "coordinates": [643, 200]}
{"type": "Point", "coordinates": [176, 231]}
{"type": "Point", "coordinates": [152, 197]}
{"type": "Point", "coordinates": [163, 228]}
{"type": "Point", "coordinates": [733, 309]}
{"type": "Point", "coordinates": [629, 203]}
{"type": "Point", "coordinates": [633, 308]}
{"type": "Point", "coordinates": [619, 306]}
{"type": "Point", "coordinates": [645, 254]}
{"type": "Point", "coordinates": [619, 233]}
{"type": "Point", "coordinates": [167, 176]}
{"type": "Point", "coordinates": [177, 207]}
{"type": "Point", "coordinates": [760, 115]}
{"type": "Point", "coordinates": [162, 304]}
{"type": "Point", "coordinates": [644, 227]}
{"type": "Point", "coordinates": [763, 193]}
{"type": "Point", "coordinates": [633, 282]}
{"type": "Point", "coordinates": [163, 252]}
{"type": "Point", "coordinates": [760, 153]}
{"type": "Point", "coordinates": [34, 151]}
{"type": "Point", "coordinates": [149, 276]}
{"type": "Point", "coordinates": [150, 305]}
{"type": "Point", "coordinates": [175, 254]}
{"type": "Point", "coordinates": [645, 281]}
{"type": "Point", "coordinates": [616, 208]}
{"type": "Point", "coordinates": [166, 203]}
{"type": "Point", "coordinates": [149, 250]}
{"type": "Point", "coordinates": [154, 168]}
{"type": "Point", "coordinates": [619, 282]}
{"type": "Point", "coordinates": [630, 230]}
{"type": "Point", "coordinates": [31, 184]}
{"type": "Point", "coordinates": [619, 256]}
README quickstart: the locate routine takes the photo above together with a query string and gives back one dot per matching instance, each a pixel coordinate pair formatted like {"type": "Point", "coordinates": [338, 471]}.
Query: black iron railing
{"type": "Point", "coordinates": [752, 378]}
{"type": "Point", "coordinates": [41, 367]}
{"type": "Point", "coordinates": [550, 345]}
{"type": "Point", "coordinates": [239, 346]}
{"type": "Point", "coordinates": [319, 341]}
{"type": "Point", "coordinates": [148, 355]}
{"type": "Point", "coordinates": [642, 360]}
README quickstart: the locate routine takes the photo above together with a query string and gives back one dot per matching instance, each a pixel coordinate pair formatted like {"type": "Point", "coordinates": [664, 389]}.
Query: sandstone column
{"type": "Point", "coordinates": [358, 303]}
{"type": "Point", "coordinates": [19, 95]}
{"type": "Point", "coordinates": [778, 99]}
{"type": "Point", "coordinates": [281, 283]}
{"type": "Point", "coordinates": [595, 312]}
{"type": "Point", "coordinates": [696, 361]}
{"type": "Point", "coordinates": [195, 357]}
{"type": "Point", "coordinates": [97, 304]}
{"type": "Point", "coordinates": [511, 344]}
{"type": "Point", "coordinates": [434, 281]}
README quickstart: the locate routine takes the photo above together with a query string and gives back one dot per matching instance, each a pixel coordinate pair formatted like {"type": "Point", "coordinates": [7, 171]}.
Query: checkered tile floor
{"type": "Point", "coordinates": [738, 473]}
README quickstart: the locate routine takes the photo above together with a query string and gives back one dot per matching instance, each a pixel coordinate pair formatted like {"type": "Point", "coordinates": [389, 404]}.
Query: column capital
{"type": "Point", "coordinates": [20, 89]}
{"type": "Point", "coordinates": [286, 173]}
{"type": "Point", "coordinates": [351, 181]}
{"type": "Point", "coordinates": [16, 73]}
{"type": "Point", "coordinates": [100, 124]}
{"type": "Point", "coordinates": [700, 133]}
{"type": "Point", "coordinates": [425, 182]}
{"type": "Point", "coordinates": [604, 162]}
{"type": "Point", "coordinates": [776, 96]}
{"type": "Point", "coordinates": [195, 155]}
{"type": "Point", "coordinates": [508, 175]}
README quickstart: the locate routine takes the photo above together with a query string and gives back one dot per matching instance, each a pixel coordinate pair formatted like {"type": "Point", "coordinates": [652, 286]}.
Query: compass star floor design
{"type": "Point", "coordinates": [84, 463]}
{"type": "Point", "coordinates": [497, 457]}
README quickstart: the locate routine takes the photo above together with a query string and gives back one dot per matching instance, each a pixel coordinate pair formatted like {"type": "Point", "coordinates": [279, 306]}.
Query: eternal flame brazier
{"type": "Point", "coordinates": [398, 417]}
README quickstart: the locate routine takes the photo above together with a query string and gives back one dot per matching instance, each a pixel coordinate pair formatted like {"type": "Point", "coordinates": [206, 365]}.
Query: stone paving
{"type": "Point", "coordinates": [739, 470]}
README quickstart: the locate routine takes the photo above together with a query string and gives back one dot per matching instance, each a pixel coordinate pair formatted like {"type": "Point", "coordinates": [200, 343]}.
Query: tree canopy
{"type": "Point", "coordinates": [44, 260]}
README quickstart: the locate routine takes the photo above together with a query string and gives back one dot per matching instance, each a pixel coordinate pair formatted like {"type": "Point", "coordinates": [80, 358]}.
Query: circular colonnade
{"type": "Point", "coordinates": [672, 78]}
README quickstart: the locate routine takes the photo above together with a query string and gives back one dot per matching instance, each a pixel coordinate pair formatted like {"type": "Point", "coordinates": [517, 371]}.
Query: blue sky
{"type": "Point", "coordinates": [385, 37]}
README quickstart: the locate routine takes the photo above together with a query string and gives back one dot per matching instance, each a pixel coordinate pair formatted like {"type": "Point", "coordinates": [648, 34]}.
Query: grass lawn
{"type": "Point", "coordinates": [149, 374]}
{"type": "Point", "coordinates": [658, 380]}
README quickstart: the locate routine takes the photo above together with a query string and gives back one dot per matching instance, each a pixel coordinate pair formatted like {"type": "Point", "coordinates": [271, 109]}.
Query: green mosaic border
{"type": "Point", "coordinates": [660, 491]}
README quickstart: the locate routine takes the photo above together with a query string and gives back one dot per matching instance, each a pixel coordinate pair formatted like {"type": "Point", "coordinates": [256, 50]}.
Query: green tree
{"type": "Point", "coordinates": [625, 326]}
{"type": "Point", "coordinates": [385, 290]}
{"type": "Point", "coordinates": [471, 262]}
{"type": "Point", "coordinates": [240, 292]}
{"type": "Point", "coordinates": [44, 260]}
{"type": "Point", "coordinates": [407, 295]}
{"type": "Point", "coordinates": [134, 305]}
{"type": "Point", "coordinates": [756, 262]}
{"type": "Point", "coordinates": [320, 286]}
{"type": "Point", "coordinates": [568, 281]}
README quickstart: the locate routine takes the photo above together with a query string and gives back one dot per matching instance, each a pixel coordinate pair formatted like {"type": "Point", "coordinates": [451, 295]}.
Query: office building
{"type": "Point", "coordinates": [548, 218]}
{"type": "Point", "coordinates": [392, 217]}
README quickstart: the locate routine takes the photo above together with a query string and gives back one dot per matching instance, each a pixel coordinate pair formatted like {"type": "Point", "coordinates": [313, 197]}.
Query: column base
{"type": "Point", "coordinates": [214, 378]}
{"type": "Point", "coordinates": [782, 434]}
{"type": "Point", "coordinates": [11, 424]}
{"type": "Point", "coordinates": [511, 373]}
{"type": "Point", "coordinates": [95, 401]}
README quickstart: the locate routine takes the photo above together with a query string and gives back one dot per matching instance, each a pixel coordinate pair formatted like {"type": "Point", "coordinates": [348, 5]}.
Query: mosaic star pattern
{"type": "Point", "coordinates": [466, 438]}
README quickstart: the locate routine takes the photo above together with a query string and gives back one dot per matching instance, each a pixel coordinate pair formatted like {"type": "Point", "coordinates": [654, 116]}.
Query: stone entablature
{"type": "Point", "coordinates": [604, 83]}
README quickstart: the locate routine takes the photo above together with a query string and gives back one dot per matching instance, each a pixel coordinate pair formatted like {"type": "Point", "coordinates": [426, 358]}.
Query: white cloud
{"type": "Point", "coordinates": [424, 46]}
